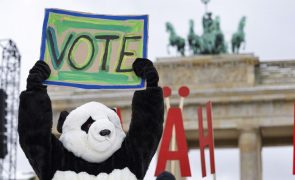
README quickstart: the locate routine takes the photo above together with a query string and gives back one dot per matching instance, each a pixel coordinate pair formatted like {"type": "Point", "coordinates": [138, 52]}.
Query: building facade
{"type": "Point", "coordinates": [252, 101]}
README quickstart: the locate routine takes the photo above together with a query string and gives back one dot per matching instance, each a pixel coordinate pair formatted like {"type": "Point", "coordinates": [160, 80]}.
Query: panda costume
{"type": "Point", "coordinates": [92, 145]}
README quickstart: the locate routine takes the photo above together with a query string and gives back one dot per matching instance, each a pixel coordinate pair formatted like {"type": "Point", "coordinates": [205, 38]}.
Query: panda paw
{"type": "Point", "coordinates": [145, 69]}
{"type": "Point", "coordinates": [37, 75]}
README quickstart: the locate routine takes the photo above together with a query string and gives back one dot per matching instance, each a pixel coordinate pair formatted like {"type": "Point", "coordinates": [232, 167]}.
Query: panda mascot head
{"type": "Point", "coordinates": [92, 131]}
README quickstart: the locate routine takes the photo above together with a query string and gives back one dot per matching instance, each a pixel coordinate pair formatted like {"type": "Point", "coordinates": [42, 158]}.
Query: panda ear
{"type": "Point", "coordinates": [114, 109]}
{"type": "Point", "coordinates": [62, 117]}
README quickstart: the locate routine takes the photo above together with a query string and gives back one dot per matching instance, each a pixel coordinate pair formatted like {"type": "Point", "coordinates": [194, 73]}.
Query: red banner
{"type": "Point", "coordinates": [206, 140]}
{"type": "Point", "coordinates": [174, 119]}
{"type": "Point", "coordinates": [118, 111]}
{"type": "Point", "coordinates": [294, 143]}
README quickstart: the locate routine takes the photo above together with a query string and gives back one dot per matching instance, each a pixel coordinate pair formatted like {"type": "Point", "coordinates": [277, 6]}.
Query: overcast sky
{"type": "Point", "coordinates": [270, 35]}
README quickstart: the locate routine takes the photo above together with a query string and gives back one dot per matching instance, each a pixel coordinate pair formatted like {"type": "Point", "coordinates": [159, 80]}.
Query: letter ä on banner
{"type": "Point", "coordinates": [174, 119]}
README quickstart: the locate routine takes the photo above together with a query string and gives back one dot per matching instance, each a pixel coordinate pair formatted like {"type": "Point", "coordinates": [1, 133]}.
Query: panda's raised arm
{"type": "Point", "coordinates": [145, 69]}
{"type": "Point", "coordinates": [146, 125]}
{"type": "Point", "coordinates": [35, 122]}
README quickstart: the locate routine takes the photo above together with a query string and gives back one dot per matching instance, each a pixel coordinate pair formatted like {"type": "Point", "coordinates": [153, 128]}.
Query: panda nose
{"type": "Point", "coordinates": [105, 132]}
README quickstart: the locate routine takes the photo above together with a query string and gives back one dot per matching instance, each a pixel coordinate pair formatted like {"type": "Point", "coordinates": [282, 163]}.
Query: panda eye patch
{"type": "Point", "coordinates": [85, 127]}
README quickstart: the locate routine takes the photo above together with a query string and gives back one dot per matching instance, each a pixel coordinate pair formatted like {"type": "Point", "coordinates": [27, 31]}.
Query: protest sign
{"type": "Point", "coordinates": [93, 51]}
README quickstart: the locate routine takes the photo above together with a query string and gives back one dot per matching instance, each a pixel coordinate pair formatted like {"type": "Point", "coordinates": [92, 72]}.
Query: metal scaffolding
{"type": "Point", "coordinates": [10, 83]}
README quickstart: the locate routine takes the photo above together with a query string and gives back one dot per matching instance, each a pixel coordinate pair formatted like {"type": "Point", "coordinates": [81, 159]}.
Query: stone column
{"type": "Point", "coordinates": [250, 154]}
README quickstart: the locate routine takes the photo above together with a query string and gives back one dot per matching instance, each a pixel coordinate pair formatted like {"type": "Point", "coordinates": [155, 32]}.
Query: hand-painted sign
{"type": "Point", "coordinates": [93, 51]}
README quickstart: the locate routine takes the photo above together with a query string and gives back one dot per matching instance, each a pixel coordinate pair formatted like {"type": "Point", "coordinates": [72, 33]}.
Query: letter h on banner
{"type": "Point", "coordinates": [206, 140]}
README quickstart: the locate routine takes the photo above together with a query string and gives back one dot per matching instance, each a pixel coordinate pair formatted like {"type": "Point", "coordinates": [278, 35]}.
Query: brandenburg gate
{"type": "Point", "coordinates": [252, 101]}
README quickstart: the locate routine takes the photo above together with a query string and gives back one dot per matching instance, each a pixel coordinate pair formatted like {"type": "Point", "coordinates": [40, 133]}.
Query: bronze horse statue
{"type": "Point", "coordinates": [220, 44]}
{"type": "Point", "coordinates": [175, 40]}
{"type": "Point", "coordinates": [212, 40]}
{"type": "Point", "coordinates": [194, 41]}
{"type": "Point", "coordinates": [239, 37]}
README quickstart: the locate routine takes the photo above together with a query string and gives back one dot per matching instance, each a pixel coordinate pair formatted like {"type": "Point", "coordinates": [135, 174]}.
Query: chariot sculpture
{"type": "Point", "coordinates": [212, 40]}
